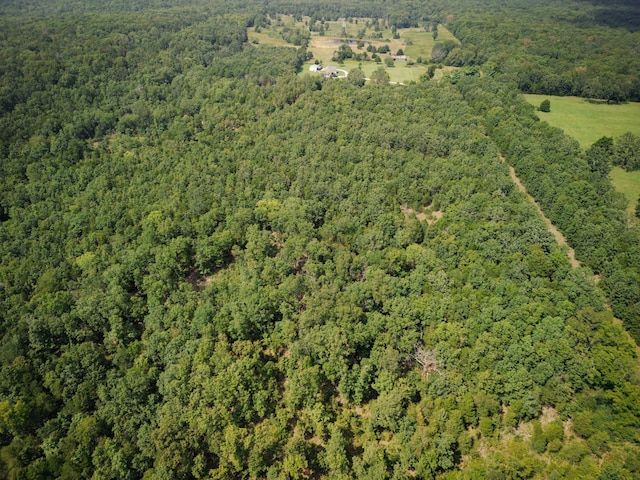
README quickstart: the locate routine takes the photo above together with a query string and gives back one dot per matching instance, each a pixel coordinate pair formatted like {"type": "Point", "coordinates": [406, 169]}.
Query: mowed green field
{"type": "Point", "coordinates": [419, 43]}
{"type": "Point", "coordinates": [400, 73]}
{"type": "Point", "coordinates": [587, 122]}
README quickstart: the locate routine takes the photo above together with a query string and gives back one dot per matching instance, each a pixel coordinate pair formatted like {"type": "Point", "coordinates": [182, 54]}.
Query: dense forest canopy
{"type": "Point", "coordinates": [558, 49]}
{"type": "Point", "coordinates": [214, 268]}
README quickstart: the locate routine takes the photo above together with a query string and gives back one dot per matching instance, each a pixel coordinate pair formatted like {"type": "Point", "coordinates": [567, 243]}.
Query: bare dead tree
{"type": "Point", "coordinates": [426, 359]}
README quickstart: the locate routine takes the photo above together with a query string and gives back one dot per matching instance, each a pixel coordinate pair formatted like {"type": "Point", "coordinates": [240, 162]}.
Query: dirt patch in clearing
{"type": "Point", "coordinates": [435, 216]}
{"type": "Point", "coordinates": [483, 449]}
{"type": "Point", "coordinates": [359, 410]}
{"type": "Point", "coordinates": [408, 211]}
{"type": "Point", "coordinates": [550, 226]}
{"type": "Point", "coordinates": [316, 441]}
{"type": "Point", "coordinates": [199, 282]}
{"type": "Point", "coordinates": [524, 431]}
{"type": "Point", "coordinates": [567, 428]}
{"type": "Point", "coordinates": [362, 410]}
{"type": "Point", "coordinates": [430, 217]}
{"type": "Point", "coordinates": [549, 414]}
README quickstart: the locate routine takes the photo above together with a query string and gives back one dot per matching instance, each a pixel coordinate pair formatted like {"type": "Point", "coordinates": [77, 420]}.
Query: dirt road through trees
{"type": "Point", "coordinates": [552, 228]}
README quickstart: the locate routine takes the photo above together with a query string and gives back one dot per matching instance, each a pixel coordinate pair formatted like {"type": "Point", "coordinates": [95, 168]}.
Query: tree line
{"type": "Point", "coordinates": [573, 189]}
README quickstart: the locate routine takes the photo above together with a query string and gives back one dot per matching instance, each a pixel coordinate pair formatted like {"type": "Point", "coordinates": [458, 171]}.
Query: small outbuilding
{"type": "Point", "coordinates": [315, 68]}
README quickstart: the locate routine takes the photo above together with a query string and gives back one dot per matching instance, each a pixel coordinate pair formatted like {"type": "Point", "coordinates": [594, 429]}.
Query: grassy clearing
{"type": "Point", "coordinates": [269, 38]}
{"type": "Point", "coordinates": [420, 43]}
{"type": "Point", "coordinates": [401, 73]}
{"type": "Point", "coordinates": [415, 43]}
{"type": "Point", "coordinates": [324, 47]}
{"type": "Point", "coordinates": [628, 183]}
{"type": "Point", "coordinates": [335, 28]}
{"type": "Point", "coordinates": [586, 121]}
{"type": "Point", "coordinates": [440, 72]}
{"type": "Point", "coordinates": [444, 35]}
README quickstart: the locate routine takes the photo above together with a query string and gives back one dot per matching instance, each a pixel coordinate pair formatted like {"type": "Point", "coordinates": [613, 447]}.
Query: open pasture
{"type": "Point", "coordinates": [588, 121]}
{"type": "Point", "coordinates": [419, 42]}
{"type": "Point", "coordinates": [400, 73]}
{"type": "Point", "coordinates": [269, 38]}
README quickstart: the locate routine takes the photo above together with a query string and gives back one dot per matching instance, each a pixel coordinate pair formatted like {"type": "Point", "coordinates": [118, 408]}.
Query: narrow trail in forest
{"type": "Point", "coordinates": [563, 241]}
{"type": "Point", "coordinates": [552, 228]}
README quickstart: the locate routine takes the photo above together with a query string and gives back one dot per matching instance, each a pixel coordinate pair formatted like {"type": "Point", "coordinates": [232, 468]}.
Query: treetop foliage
{"type": "Point", "coordinates": [213, 268]}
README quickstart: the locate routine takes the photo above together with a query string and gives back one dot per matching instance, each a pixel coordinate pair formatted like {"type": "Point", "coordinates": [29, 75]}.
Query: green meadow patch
{"type": "Point", "coordinates": [400, 73]}
{"type": "Point", "coordinates": [269, 38]}
{"type": "Point", "coordinates": [627, 183]}
{"type": "Point", "coordinates": [586, 121]}
{"type": "Point", "coordinates": [419, 42]}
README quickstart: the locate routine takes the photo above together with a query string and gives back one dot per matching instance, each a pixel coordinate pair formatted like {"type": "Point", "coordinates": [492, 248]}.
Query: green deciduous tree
{"type": "Point", "coordinates": [380, 76]}
{"type": "Point", "coordinates": [356, 77]}
{"type": "Point", "coordinates": [599, 156]}
{"type": "Point", "coordinates": [627, 151]}
{"type": "Point", "coordinates": [545, 106]}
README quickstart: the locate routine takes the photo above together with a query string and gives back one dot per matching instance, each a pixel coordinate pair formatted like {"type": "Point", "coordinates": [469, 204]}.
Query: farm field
{"type": "Point", "coordinates": [420, 43]}
{"type": "Point", "coordinates": [415, 42]}
{"type": "Point", "coordinates": [269, 38]}
{"type": "Point", "coordinates": [587, 122]}
{"type": "Point", "coordinates": [401, 73]}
